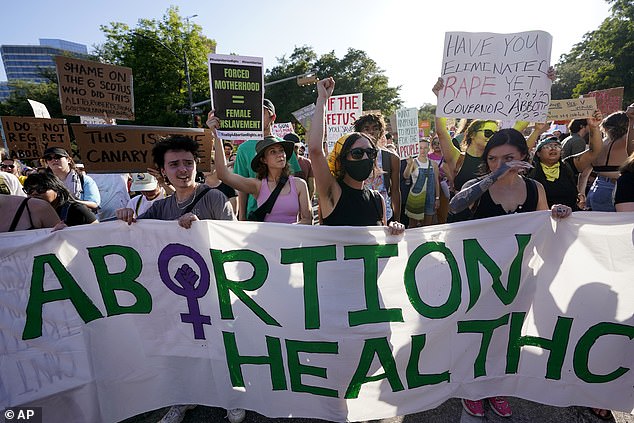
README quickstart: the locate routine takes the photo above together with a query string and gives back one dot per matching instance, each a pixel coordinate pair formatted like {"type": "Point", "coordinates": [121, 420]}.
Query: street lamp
{"type": "Point", "coordinates": [302, 80]}
{"type": "Point", "coordinates": [185, 61]}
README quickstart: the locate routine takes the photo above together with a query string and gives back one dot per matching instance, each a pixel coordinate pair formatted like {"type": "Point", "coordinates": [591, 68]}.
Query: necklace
{"type": "Point", "coordinates": [184, 206]}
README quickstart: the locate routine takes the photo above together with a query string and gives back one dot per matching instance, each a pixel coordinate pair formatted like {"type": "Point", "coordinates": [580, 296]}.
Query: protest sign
{"type": "Point", "coordinates": [39, 109]}
{"type": "Point", "coordinates": [608, 101]}
{"type": "Point", "coordinates": [281, 129]}
{"type": "Point", "coordinates": [237, 84]}
{"type": "Point", "coordinates": [574, 108]}
{"type": "Point", "coordinates": [125, 148]}
{"type": "Point", "coordinates": [407, 129]}
{"type": "Point", "coordinates": [96, 120]}
{"type": "Point", "coordinates": [341, 112]}
{"type": "Point", "coordinates": [93, 89]}
{"type": "Point", "coordinates": [28, 137]}
{"type": "Point", "coordinates": [340, 324]}
{"type": "Point", "coordinates": [495, 76]}
{"type": "Point", "coordinates": [424, 128]}
{"type": "Point", "coordinates": [305, 116]}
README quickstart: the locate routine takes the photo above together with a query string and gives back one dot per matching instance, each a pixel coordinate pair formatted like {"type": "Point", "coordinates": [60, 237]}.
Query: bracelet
{"type": "Point", "coordinates": [437, 198]}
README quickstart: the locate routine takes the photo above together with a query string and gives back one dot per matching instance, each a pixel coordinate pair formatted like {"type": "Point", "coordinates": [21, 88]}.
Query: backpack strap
{"type": "Point", "coordinates": [198, 197]}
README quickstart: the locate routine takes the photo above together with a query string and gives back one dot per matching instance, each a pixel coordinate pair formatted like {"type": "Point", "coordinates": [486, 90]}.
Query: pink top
{"type": "Point", "coordinates": [286, 207]}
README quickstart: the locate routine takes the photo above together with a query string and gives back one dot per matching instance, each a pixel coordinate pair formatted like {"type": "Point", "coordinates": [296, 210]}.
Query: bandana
{"type": "Point", "coordinates": [551, 172]}
{"type": "Point", "coordinates": [333, 164]}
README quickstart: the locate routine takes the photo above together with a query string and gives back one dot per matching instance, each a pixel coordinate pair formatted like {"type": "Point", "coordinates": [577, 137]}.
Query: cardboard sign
{"type": "Point", "coordinates": [281, 129]}
{"type": "Point", "coordinates": [123, 148]}
{"type": "Point", "coordinates": [28, 137]}
{"type": "Point", "coordinates": [305, 116]}
{"type": "Point", "coordinates": [608, 101]}
{"type": "Point", "coordinates": [91, 88]}
{"type": "Point", "coordinates": [236, 84]}
{"type": "Point", "coordinates": [496, 76]}
{"type": "Point", "coordinates": [574, 108]}
{"type": "Point", "coordinates": [407, 129]}
{"type": "Point", "coordinates": [341, 112]}
{"type": "Point", "coordinates": [424, 127]}
{"type": "Point", "coordinates": [39, 109]}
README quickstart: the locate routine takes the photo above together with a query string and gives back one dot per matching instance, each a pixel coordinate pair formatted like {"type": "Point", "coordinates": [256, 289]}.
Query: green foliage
{"type": "Point", "coordinates": [17, 105]}
{"type": "Point", "coordinates": [354, 73]}
{"type": "Point", "coordinates": [603, 59]}
{"type": "Point", "coordinates": [155, 51]}
{"type": "Point", "coordinates": [428, 112]}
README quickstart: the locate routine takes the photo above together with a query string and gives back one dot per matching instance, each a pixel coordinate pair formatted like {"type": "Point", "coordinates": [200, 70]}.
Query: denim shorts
{"type": "Point", "coordinates": [601, 195]}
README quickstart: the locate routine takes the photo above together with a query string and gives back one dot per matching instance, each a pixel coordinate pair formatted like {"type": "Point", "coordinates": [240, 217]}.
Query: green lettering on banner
{"type": "Point", "coordinates": [453, 301]}
{"type": "Point", "coordinates": [122, 281]}
{"type": "Point", "coordinates": [585, 344]}
{"type": "Point", "coordinates": [486, 328]}
{"type": "Point", "coordinates": [474, 255]}
{"type": "Point", "coordinates": [296, 369]}
{"type": "Point", "coordinates": [414, 378]}
{"type": "Point", "coordinates": [310, 257]}
{"type": "Point", "coordinates": [373, 312]}
{"type": "Point", "coordinates": [70, 290]}
{"type": "Point", "coordinates": [260, 272]}
{"type": "Point", "coordinates": [556, 346]}
{"type": "Point", "coordinates": [380, 348]}
{"type": "Point", "coordinates": [273, 360]}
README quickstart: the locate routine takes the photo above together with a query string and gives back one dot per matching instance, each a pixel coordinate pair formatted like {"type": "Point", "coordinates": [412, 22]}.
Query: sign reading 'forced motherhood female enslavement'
{"type": "Point", "coordinates": [496, 76]}
{"type": "Point", "coordinates": [102, 322]}
{"type": "Point", "coordinates": [237, 84]}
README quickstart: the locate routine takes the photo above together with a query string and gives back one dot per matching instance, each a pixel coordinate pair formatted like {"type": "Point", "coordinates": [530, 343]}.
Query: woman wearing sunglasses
{"type": "Point", "coordinates": [339, 179]}
{"type": "Point", "coordinates": [463, 165]}
{"type": "Point", "coordinates": [271, 166]}
{"type": "Point", "coordinates": [82, 186]}
{"type": "Point", "coordinates": [559, 177]}
{"type": "Point", "coordinates": [48, 187]}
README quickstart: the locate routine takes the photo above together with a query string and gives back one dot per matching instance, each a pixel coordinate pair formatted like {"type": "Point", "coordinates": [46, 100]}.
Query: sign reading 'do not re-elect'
{"type": "Point", "coordinates": [123, 148]}
{"type": "Point", "coordinates": [28, 137]}
{"type": "Point", "coordinates": [496, 76]}
{"type": "Point", "coordinates": [89, 88]}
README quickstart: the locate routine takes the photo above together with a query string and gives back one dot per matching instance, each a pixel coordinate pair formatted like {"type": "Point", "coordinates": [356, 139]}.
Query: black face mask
{"type": "Point", "coordinates": [359, 170]}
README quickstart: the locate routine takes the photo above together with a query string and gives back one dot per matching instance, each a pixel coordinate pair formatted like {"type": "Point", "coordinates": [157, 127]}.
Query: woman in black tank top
{"type": "Point", "coordinates": [503, 190]}
{"type": "Point", "coordinates": [339, 179]}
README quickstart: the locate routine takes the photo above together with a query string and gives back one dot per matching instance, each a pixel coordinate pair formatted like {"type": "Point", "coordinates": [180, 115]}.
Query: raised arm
{"type": "Point", "coordinates": [240, 183]}
{"type": "Point", "coordinates": [327, 188]}
{"type": "Point", "coordinates": [449, 151]}
{"type": "Point", "coordinates": [539, 129]}
{"type": "Point", "coordinates": [473, 189]}
{"type": "Point", "coordinates": [584, 160]}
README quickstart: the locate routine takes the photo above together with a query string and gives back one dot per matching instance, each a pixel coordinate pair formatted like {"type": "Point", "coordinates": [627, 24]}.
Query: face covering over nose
{"type": "Point", "coordinates": [359, 170]}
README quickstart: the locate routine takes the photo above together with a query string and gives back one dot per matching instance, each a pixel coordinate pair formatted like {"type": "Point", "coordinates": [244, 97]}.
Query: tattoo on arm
{"type": "Point", "coordinates": [470, 194]}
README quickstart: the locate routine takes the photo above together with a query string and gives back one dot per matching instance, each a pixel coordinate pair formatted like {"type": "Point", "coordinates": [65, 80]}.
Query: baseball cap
{"type": "Point", "coordinates": [55, 151]}
{"type": "Point", "coordinates": [268, 104]}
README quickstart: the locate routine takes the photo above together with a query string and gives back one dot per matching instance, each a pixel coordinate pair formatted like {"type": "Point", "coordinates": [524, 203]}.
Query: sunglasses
{"type": "Point", "coordinates": [5, 166]}
{"type": "Point", "coordinates": [357, 153]}
{"type": "Point", "coordinates": [38, 190]}
{"type": "Point", "coordinates": [552, 146]}
{"type": "Point", "coordinates": [488, 133]}
{"type": "Point", "coordinates": [53, 157]}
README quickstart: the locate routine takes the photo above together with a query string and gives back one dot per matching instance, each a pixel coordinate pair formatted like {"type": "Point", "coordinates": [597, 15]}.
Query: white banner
{"type": "Point", "coordinates": [341, 112]}
{"type": "Point", "coordinates": [496, 76]}
{"type": "Point", "coordinates": [103, 322]}
{"type": "Point", "coordinates": [407, 128]}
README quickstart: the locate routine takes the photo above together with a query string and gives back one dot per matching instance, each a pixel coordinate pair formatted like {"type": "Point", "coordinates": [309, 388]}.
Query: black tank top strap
{"type": "Point", "coordinates": [532, 194]}
{"type": "Point", "coordinates": [606, 167]}
{"type": "Point", "coordinates": [18, 214]}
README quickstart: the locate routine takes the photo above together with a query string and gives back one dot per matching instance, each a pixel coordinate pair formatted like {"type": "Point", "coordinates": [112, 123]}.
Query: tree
{"type": "Point", "coordinates": [155, 51]}
{"type": "Point", "coordinates": [428, 112]}
{"type": "Point", "coordinates": [603, 59]}
{"type": "Point", "coordinates": [354, 73]}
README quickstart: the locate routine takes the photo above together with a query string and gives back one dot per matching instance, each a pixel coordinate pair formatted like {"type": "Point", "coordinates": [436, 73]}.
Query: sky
{"type": "Point", "coordinates": [405, 38]}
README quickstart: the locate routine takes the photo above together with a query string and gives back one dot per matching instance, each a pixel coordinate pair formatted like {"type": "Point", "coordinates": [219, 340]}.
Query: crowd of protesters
{"type": "Point", "coordinates": [470, 170]}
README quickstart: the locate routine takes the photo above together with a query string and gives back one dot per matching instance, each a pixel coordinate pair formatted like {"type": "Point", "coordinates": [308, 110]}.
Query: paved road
{"type": "Point", "coordinates": [449, 412]}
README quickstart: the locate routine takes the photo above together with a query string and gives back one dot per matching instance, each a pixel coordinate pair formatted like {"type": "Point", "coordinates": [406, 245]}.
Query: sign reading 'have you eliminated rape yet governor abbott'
{"type": "Point", "coordinates": [236, 84]}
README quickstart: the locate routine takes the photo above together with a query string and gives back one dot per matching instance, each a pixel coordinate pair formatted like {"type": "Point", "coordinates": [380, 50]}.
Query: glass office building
{"type": "Point", "coordinates": [26, 62]}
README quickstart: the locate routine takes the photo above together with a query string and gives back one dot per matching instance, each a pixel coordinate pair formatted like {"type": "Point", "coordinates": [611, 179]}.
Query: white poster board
{"type": "Point", "coordinates": [283, 128]}
{"type": "Point", "coordinates": [39, 109]}
{"type": "Point", "coordinates": [407, 128]}
{"type": "Point", "coordinates": [341, 112]}
{"type": "Point", "coordinates": [496, 76]}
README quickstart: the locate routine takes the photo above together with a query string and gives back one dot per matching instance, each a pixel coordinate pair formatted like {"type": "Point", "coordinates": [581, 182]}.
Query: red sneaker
{"type": "Point", "coordinates": [475, 408]}
{"type": "Point", "coordinates": [501, 406]}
